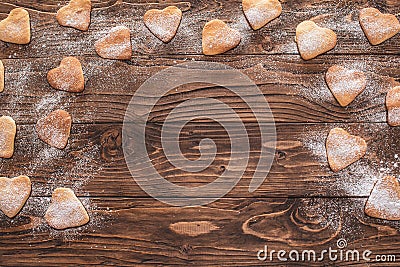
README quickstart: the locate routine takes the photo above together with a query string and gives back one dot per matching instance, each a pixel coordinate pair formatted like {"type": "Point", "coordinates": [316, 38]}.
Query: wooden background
{"type": "Point", "coordinates": [301, 205]}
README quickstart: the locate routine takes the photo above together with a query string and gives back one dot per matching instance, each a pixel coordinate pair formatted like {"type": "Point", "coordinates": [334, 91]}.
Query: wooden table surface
{"type": "Point", "coordinates": [301, 205]}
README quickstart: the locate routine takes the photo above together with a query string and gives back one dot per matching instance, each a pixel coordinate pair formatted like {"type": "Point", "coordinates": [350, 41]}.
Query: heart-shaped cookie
{"type": "Point", "coordinates": [393, 106]}
{"type": "Point", "coordinates": [1, 76]}
{"type": "Point", "coordinates": [76, 14]}
{"type": "Point", "coordinates": [313, 40]}
{"type": "Point", "coordinates": [13, 194]}
{"type": "Point", "coordinates": [16, 27]}
{"type": "Point", "coordinates": [68, 76]}
{"type": "Point", "coordinates": [116, 44]}
{"type": "Point", "coordinates": [378, 27]}
{"type": "Point", "coordinates": [8, 129]}
{"type": "Point", "coordinates": [219, 38]}
{"type": "Point", "coordinates": [54, 129]}
{"type": "Point", "coordinates": [260, 12]}
{"type": "Point", "coordinates": [345, 84]}
{"type": "Point", "coordinates": [343, 149]}
{"type": "Point", "coordinates": [384, 201]}
{"type": "Point", "coordinates": [163, 23]}
{"type": "Point", "coordinates": [65, 210]}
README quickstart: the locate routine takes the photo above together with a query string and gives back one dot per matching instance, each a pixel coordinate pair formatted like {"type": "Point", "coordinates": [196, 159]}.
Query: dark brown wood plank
{"type": "Point", "coordinates": [50, 39]}
{"type": "Point", "coordinates": [296, 90]}
{"type": "Point", "coordinates": [93, 161]}
{"type": "Point", "coordinates": [53, 6]}
{"type": "Point", "coordinates": [230, 232]}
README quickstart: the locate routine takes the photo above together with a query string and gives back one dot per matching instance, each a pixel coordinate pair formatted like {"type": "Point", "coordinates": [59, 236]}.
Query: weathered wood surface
{"type": "Point", "coordinates": [93, 161]}
{"type": "Point", "coordinates": [126, 232]}
{"type": "Point", "coordinates": [295, 90]}
{"type": "Point", "coordinates": [301, 205]}
{"type": "Point", "coordinates": [276, 38]}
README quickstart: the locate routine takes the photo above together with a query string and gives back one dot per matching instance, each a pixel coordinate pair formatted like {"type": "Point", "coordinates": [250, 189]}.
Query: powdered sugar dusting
{"type": "Point", "coordinates": [358, 178]}
{"type": "Point", "coordinates": [385, 199]}
{"type": "Point", "coordinates": [115, 44]}
{"type": "Point", "coordinates": [314, 88]}
{"type": "Point", "coordinates": [68, 76]}
{"type": "Point", "coordinates": [355, 180]}
{"type": "Point", "coordinates": [65, 210]}
{"type": "Point", "coordinates": [313, 40]}
{"type": "Point", "coordinates": [77, 21]}
{"type": "Point", "coordinates": [377, 26]}
{"type": "Point", "coordinates": [76, 14]}
{"type": "Point", "coordinates": [20, 78]}
{"type": "Point", "coordinates": [117, 50]}
{"type": "Point", "coordinates": [51, 101]}
{"type": "Point", "coordinates": [162, 24]}
{"type": "Point", "coordinates": [53, 130]}
{"type": "Point", "coordinates": [343, 149]}
{"type": "Point", "coordinates": [394, 116]}
{"type": "Point", "coordinates": [49, 167]}
{"type": "Point", "coordinates": [258, 16]}
{"type": "Point", "coordinates": [345, 83]}
{"type": "Point", "coordinates": [38, 207]}
{"type": "Point", "coordinates": [13, 193]}
{"type": "Point", "coordinates": [219, 37]}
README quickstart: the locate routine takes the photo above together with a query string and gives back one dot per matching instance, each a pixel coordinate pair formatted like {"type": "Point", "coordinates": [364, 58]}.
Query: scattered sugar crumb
{"type": "Point", "coordinates": [360, 177]}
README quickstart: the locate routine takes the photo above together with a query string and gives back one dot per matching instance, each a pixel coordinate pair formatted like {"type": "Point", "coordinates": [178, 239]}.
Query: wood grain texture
{"type": "Point", "coordinates": [93, 161]}
{"type": "Point", "coordinates": [132, 232]}
{"type": "Point", "coordinates": [276, 38]}
{"type": "Point", "coordinates": [295, 90]}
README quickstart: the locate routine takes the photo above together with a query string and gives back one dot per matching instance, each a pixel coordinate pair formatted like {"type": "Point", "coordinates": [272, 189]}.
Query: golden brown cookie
{"type": "Point", "coordinates": [8, 129]}
{"type": "Point", "coordinates": [163, 23]}
{"type": "Point", "coordinates": [384, 200]}
{"type": "Point", "coordinates": [345, 84]}
{"type": "Point", "coordinates": [313, 40]}
{"type": "Point", "coordinates": [54, 129]}
{"type": "Point", "coordinates": [65, 210]}
{"type": "Point", "coordinates": [116, 44]}
{"type": "Point", "coordinates": [378, 27]}
{"type": "Point", "coordinates": [393, 106]}
{"type": "Point", "coordinates": [68, 76]}
{"type": "Point", "coordinates": [76, 14]}
{"type": "Point", "coordinates": [219, 38]}
{"type": "Point", "coordinates": [1, 76]}
{"type": "Point", "coordinates": [343, 149]}
{"type": "Point", "coordinates": [260, 12]}
{"type": "Point", "coordinates": [16, 27]}
{"type": "Point", "coordinates": [13, 194]}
